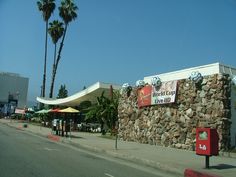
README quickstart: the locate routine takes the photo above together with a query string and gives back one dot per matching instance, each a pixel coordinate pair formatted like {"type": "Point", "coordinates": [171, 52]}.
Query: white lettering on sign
{"type": "Point", "coordinates": [202, 147]}
{"type": "Point", "coordinates": [164, 94]}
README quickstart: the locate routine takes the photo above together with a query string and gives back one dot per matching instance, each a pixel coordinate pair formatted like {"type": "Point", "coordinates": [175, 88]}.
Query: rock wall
{"type": "Point", "coordinates": [174, 125]}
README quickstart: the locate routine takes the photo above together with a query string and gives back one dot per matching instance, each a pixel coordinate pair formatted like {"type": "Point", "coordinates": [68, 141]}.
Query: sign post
{"type": "Point", "coordinates": [116, 132]}
{"type": "Point", "coordinates": [207, 161]}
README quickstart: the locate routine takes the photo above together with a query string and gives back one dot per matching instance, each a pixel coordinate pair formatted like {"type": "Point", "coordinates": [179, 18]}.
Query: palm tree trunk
{"type": "Point", "coordinates": [45, 61]}
{"type": "Point", "coordinates": [57, 61]}
{"type": "Point", "coordinates": [53, 71]}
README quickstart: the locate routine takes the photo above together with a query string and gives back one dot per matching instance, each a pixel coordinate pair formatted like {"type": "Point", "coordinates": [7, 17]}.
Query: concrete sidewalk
{"type": "Point", "coordinates": [167, 159]}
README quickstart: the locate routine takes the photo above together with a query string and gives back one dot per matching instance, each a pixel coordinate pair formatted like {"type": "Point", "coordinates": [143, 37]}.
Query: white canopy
{"type": "Point", "coordinates": [89, 94]}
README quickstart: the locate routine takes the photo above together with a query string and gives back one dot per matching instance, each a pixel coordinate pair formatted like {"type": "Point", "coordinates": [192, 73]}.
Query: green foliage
{"type": "Point", "coordinates": [47, 7]}
{"type": "Point", "coordinates": [67, 11]}
{"type": "Point", "coordinates": [105, 110]}
{"type": "Point", "coordinates": [56, 30]}
{"type": "Point", "coordinates": [84, 105]}
{"type": "Point", "coordinates": [62, 93]}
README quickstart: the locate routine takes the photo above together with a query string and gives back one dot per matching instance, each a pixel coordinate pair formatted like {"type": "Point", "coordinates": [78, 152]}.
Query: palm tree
{"type": "Point", "coordinates": [67, 12]}
{"type": "Point", "coordinates": [56, 31]}
{"type": "Point", "coordinates": [46, 7]}
{"type": "Point", "coordinates": [105, 110]}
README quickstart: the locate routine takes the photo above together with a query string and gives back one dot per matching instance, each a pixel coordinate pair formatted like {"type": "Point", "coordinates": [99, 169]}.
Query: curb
{"type": "Point", "coordinates": [146, 162]}
{"type": "Point", "coordinates": [53, 137]}
{"type": "Point", "coordinates": [19, 128]}
{"type": "Point", "coordinates": [149, 163]}
{"type": "Point", "coordinates": [192, 173]}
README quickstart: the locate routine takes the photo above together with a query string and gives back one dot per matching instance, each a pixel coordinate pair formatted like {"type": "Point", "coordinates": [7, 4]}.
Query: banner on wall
{"type": "Point", "coordinates": [150, 95]}
{"type": "Point", "coordinates": [144, 96]}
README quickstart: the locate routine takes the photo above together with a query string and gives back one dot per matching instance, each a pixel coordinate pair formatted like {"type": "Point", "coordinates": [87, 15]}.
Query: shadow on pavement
{"type": "Point", "coordinates": [223, 166]}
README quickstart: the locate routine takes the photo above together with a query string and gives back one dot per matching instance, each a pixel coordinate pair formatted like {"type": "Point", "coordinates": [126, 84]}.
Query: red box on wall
{"type": "Point", "coordinates": [207, 141]}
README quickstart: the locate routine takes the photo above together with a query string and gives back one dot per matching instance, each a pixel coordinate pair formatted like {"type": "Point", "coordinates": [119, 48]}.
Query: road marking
{"type": "Point", "coordinates": [108, 175]}
{"type": "Point", "coordinates": [48, 149]}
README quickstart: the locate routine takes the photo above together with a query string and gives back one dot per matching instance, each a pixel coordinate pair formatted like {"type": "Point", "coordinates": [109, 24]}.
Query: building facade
{"type": "Point", "coordinates": [13, 92]}
{"type": "Point", "coordinates": [169, 115]}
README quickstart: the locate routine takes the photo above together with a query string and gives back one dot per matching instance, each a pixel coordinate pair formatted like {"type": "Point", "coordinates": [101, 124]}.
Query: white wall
{"type": "Point", "coordinates": [185, 73]}
{"type": "Point", "coordinates": [205, 70]}
{"type": "Point", "coordinates": [227, 69]}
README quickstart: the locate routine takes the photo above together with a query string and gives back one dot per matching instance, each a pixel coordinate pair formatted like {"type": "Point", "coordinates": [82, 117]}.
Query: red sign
{"type": "Point", "coordinates": [206, 141]}
{"type": "Point", "coordinates": [144, 96]}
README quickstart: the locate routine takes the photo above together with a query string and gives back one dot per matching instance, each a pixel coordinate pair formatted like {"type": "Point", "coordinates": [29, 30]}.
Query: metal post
{"type": "Point", "coordinates": [207, 159]}
{"type": "Point", "coordinates": [70, 128]}
{"type": "Point", "coordinates": [116, 140]}
{"type": "Point", "coordinates": [116, 130]}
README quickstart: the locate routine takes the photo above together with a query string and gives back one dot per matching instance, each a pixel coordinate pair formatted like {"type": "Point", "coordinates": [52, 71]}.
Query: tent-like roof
{"type": "Point", "coordinates": [43, 111]}
{"type": "Point", "coordinates": [89, 94]}
{"type": "Point", "coordinates": [55, 110]}
{"type": "Point", "coordinates": [69, 110]}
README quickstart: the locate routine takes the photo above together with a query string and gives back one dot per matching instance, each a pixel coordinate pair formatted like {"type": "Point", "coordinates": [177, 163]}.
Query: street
{"type": "Point", "coordinates": [25, 155]}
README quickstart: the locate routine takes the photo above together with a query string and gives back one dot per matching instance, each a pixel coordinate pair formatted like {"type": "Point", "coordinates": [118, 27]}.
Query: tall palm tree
{"type": "Point", "coordinates": [56, 31]}
{"type": "Point", "coordinates": [67, 12]}
{"type": "Point", "coordinates": [46, 7]}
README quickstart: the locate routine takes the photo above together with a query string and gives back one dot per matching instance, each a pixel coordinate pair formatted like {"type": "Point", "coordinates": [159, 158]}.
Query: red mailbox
{"type": "Point", "coordinates": [207, 141]}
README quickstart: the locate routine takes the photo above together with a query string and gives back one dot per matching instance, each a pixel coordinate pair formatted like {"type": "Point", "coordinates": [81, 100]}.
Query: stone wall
{"type": "Point", "coordinates": [174, 125]}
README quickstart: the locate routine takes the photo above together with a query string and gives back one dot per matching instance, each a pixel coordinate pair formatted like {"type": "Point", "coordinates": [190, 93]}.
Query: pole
{"type": "Point", "coordinates": [207, 159]}
{"type": "Point", "coordinates": [116, 140]}
{"type": "Point", "coordinates": [70, 128]}
{"type": "Point", "coordinates": [116, 130]}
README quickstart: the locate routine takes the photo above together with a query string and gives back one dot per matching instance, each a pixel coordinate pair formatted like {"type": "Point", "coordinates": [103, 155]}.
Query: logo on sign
{"type": "Point", "coordinates": [202, 147]}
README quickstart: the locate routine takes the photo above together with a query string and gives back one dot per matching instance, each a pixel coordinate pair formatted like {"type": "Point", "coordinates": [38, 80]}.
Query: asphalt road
{"type": "Point", "coordinates": [26, 155]}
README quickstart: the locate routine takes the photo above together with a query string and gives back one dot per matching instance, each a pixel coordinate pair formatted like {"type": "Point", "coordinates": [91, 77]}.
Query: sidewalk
{"type": "Point", "coordinates": [167, 159]}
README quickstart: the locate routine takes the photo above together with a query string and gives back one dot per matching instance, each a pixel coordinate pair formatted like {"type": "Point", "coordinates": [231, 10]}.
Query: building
{"type": "Point", "coordinates": [168, 115]}
{"type": "Point", "coordinates": [13, 92]}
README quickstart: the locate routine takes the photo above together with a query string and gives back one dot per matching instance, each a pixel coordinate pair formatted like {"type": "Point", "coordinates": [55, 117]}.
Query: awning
{"type": "Point", "coordinates": [89, 94]}
{"type": "Point", "coordinates": [55, 110]}
{"type": "Point", "coordinates": [43, 111]}
{"type": "Point", "coordinates": [69, 110]}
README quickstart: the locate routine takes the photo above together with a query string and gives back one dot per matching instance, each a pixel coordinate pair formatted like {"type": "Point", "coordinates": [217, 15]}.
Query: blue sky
{"type": "Point", "coordinates": [118, 41]}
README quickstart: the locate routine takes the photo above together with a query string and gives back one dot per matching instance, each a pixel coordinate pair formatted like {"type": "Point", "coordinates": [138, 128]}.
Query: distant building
{"type": "Point", "coordinates": [13, 92]}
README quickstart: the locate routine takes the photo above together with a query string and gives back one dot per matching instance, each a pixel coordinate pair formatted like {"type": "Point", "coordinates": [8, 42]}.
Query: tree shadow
{"type": "Point", "coordinates": [222, 166]}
